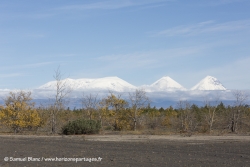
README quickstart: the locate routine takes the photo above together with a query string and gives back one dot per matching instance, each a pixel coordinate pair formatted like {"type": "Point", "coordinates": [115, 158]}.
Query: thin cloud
{"type": "Point", "coordinates": [222, 2]}
{"type": "Point", "coordinates": [153, 59]}
{"type": "Point", "coordinates": [65, 55]}
{"type": "Point", "coordinates": [11, 75]}
{"type": "Point", "coordinates": [33, 65]}
{"type": "Point", "coordinates": [128, 60]}
{"type": "Point", "coordinates": [32, 16]}
{"type": "Point", "coordinates": [101, 5]}
{"type": "Point", "coordinates": [216, 2]}
{"type": "Point", "coordinates": [205, 27]}
{"type": "Point", "coordinates": [34, 35]}
{"type": "Point", "coordinates": [112, 4]}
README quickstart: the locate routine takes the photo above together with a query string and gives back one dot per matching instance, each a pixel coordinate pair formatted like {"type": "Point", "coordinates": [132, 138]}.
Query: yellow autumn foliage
{"type": "Point", "coordinates": [169, 114]}
{"type": "Point", "coordinates": [18, 112]}
{"type": "Point", "coordinates": [114, 111]}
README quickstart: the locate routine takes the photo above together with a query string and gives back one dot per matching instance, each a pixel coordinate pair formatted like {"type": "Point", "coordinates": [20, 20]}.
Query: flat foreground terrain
{"type": "Point", "coordinates": [126, 150]}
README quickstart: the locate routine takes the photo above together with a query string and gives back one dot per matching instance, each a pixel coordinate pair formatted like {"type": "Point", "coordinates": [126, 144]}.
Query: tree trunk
{"type": "Point", "coordinates": [135, 125]}
{"type": "Point", "coordinates": [53, 124]}
{"type": "Point", "coordinates": [233, 126]}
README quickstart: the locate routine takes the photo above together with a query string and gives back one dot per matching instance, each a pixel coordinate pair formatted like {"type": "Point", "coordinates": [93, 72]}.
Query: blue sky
{"type": "Point", "coordinates": [139, 41]}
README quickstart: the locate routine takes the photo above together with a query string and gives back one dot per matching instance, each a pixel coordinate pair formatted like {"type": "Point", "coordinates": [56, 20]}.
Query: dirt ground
{"type": "Point", "coordinates": [124, 150]}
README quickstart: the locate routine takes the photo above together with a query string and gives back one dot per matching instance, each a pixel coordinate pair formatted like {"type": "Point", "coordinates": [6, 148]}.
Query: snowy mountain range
{"type": "Point", "coordinates": [99, 84]}
{"type": "Point", "coordinates": [209, 83]}
{"type": "Point", "coordinates": [118, 85]}
{"type": "Point", "coordinates": [163, 92]}
{"type": "Point", "coordinates": [163, 84]}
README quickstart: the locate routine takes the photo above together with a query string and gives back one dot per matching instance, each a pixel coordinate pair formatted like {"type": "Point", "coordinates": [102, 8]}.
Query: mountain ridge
{"type": "Point", "coordinates": [107, 83]}
{"type": "Point", "coordinates": [163, 84]}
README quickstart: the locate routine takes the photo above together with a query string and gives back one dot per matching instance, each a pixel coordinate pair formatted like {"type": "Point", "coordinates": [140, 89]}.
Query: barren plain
{"type": "Point", "coordinates": [124, 150]}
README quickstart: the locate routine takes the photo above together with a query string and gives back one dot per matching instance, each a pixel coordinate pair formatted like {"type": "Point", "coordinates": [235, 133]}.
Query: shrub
{"type": "Point", "coordinates": [81, 126]}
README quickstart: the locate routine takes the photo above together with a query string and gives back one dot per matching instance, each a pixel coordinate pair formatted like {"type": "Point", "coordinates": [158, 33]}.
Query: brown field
{"type": "Point", "coordinates": [126, 150]}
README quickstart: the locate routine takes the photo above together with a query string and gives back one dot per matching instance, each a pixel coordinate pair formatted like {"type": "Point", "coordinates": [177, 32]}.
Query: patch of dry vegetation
{"type": "Point", "coordinates": [118, 116]}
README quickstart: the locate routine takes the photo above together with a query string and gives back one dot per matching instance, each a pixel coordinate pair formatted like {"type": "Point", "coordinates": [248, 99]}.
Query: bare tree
{"type": "Point", "coordinates": [138, 100]}
{"type": "Point", "coordinates": [185, 115]}
{"type": "Point", "coordinates": [211, 111]}
{"type": "Point", "coordinates": [62, 91]}
{"type": "Point", "coordinates": [187, 118]}
{"type": "Point", "coordinates": [90, 103]}
{"type": "Point", "coordinates": [20, 97]}
{"type": "Point", "coordinates": [237, 109]}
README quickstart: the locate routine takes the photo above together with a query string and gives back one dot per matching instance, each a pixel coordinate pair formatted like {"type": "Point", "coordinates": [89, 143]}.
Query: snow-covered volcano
{"type": "Point", "coordinates": [107, 83]}
{"type": "Point", "coordinates": [116, 84]}
{"type": "Point", "coordinates": [164, 84]}
{"type": "Point", "coordinates": [209, 83]}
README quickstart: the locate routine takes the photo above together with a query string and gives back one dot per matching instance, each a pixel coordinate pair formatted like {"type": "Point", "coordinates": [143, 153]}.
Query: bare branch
{"type": "Point", "coordinates": [90, 103]}
{"type": "Point", "coordinates": [138, 100]}
{"type": "Point", "coordinates": [62, 91]}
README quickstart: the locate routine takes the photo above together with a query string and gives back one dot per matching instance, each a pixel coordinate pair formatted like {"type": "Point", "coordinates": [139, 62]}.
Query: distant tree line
{"type": "Point", "coordinates": [117, 114]}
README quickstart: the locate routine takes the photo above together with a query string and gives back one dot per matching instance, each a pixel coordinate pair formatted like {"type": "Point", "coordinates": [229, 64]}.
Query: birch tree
{"type": "Point", "coordinates": [62, 91]}
{"type": "Point", "coordinates": [138, 101]}
{"type": "Point", "coordinates": [90, 103]}
{"type": "Point", "coordinates": [211, 112]}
